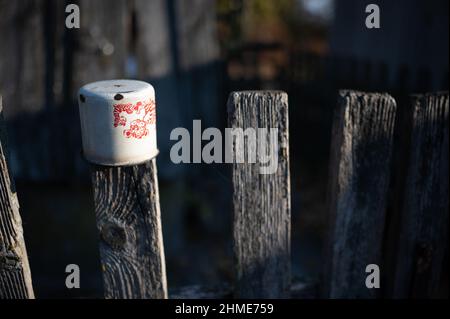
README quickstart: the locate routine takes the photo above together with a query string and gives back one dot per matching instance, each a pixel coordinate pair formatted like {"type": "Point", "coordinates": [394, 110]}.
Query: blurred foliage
{"type": "Point", "coordinates": [229, 14]}
{"type": "Point", "coordinates": [239, 19]}
{"type": "Point", "coordinates": [263, 10]}
{"type": "Point", "coordinates": [282, 21]}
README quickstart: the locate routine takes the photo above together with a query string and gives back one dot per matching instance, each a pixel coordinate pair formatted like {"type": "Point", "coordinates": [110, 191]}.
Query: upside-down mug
{"type": "Point", "coordinates": [118, 122]}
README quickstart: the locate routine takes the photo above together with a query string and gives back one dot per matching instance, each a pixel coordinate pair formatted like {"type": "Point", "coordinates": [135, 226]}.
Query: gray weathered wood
{"type": "Point", "coordinates": [424, 227]}
{"type": "Point", "coordinates": [153, 50]}
{"type": "Point", "coordinates": [129, 222]}
{"type": "Point", "coordinates": [361, 150]}
{"type": "Point", "coordinates": [15, 276]}
{"type": "Point", "coordinates": [194, 36]}
{"type": "Point", "coordinates": [261, 202]}
{"type": "Point", "coordinates": [101, 41]}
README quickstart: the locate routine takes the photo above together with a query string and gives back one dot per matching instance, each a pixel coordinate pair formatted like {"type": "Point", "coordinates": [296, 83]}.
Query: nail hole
{"type": "Point", "coordinates": [118, 97]}
{"type": "Point", "coordinates": [118, 85]}
{"type": "Point", "coordinates": [82, 98]}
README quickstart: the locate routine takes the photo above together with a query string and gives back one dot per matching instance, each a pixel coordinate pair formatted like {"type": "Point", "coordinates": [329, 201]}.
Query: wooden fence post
{"type": "Point", "coordinates": [261, 202]}
{"type": "Point", "coordinates": [15, 275]}
{"type": "Point", "coordinates": [118, 126]}
{"type": "Point", "coordinates": [361, 151]}
{"type": "Point", "coordinates": [424, 226]}
{"type": "Point", "coordinates": [129, 222]}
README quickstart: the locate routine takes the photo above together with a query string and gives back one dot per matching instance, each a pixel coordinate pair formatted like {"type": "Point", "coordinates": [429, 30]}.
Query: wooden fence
{"type": "Point", "coordinates": [43, 63]}
{"type": "Point", "coordinates": [409, 243]}
{"type": "Point", "coordinates": [44, 150]}
{"type": "Point", "coordinates": [15, 277]}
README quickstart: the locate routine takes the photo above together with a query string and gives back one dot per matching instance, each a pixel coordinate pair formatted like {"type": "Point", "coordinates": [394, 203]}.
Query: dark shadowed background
{"type": "Point", "coordinates": [194, 53]}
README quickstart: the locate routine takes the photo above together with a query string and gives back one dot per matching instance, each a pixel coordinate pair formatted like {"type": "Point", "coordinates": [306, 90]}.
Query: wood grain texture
{"type": "Point", "coordinates": [361, 149]}
{"type": "Point", "coordinates": [129, 222]}
{"type": "Point", "coordinates": [15, 276]}
{"type": "Point", "coordinates": [261, 202]}
{"type": "Point", "coordinates": [425, 215]}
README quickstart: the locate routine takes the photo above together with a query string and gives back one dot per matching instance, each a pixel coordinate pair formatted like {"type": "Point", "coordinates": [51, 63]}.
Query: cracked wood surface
{"type": "Point", "coordinates": [129, 223]}
{"type": "Point", "coordinates": [361, 151]}
{"type": "Point", "coordinates": [261, 202]}
{"type": "Point", "coordinates": [423, 238]}
{"type": "Point", "coordinates": [15, 275]}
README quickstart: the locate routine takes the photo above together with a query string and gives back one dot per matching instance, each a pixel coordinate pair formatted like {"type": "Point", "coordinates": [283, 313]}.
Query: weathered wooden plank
{"type": "Point", "coordinates": [101, 42]}
{"type": "Point", "coordinates": [15, 275]}
{"type": "Point", "coordinates": [361, 150]}
{"type": "Point", "coordinates": [129, 222]}
{"type": "Point", "coordinates": [424, 227]}
{"type": "Point", "coordinates": [153, 44]}
{"type": "Point", "coordinates": [197, 33]}
{"type": "Point", "coordinates": [261, 202]}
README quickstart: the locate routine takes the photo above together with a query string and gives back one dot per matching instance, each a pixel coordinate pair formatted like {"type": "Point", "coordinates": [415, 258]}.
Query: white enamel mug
{"type": "Point", "coordinates": [118, 122]}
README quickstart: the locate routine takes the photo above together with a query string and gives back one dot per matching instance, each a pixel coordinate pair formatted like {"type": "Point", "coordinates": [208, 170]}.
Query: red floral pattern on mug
{"type": "Point", "coordinates": [139, 127]}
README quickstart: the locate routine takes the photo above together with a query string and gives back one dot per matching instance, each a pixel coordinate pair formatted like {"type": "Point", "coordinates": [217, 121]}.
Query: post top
{"type": "Point", "coordinates": [109, 88]}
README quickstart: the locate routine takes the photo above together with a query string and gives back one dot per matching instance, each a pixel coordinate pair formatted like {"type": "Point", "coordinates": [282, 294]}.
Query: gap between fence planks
{"type": "Point", "coordinates": [15, 275]}
{"type": "Point", "coordinates": [129, 222]}
{"type": "Point", "coordinates": [423, 239]}
{"type": "Point", "coordinates": [261, 203]}
{"type": "Point", "coordinates": [361, 149]}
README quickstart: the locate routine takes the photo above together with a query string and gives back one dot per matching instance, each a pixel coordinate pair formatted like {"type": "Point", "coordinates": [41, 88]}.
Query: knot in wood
{"type": "Point", "coordinates": [8, 259]}
{"type": "Point", "coordinates": [114, 235]}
